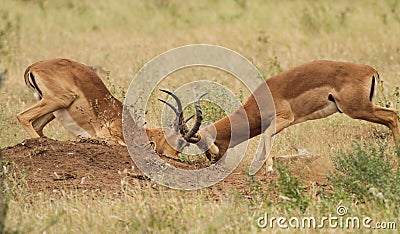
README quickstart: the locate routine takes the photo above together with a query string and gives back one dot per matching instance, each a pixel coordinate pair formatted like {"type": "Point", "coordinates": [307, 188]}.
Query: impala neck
{"type": "Point", "coordinates": [247, 121]}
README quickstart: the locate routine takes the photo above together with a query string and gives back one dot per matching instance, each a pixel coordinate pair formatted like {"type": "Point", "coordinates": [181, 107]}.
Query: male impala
{"type": "Point", "coordinates": [73, 93]}
{"type": "Point", "coordinates": [311, 91]}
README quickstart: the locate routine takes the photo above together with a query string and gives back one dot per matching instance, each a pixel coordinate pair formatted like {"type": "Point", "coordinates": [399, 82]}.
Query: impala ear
{"type": "Point", "coordinates": [214, 149]}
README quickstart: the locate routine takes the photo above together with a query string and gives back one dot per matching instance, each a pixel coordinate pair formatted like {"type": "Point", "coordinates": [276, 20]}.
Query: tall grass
{"type": "Point", "coordinates": [275, 35]}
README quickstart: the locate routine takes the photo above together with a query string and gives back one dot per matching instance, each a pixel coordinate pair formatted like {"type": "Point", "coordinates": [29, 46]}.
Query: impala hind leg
{"type": "Point", "coordinates": [391, 120]}
{"type": "Point", "coordinates": [384, 116]}
{"type": "Point", "coordinates": [39, 113]}
{"type": "Point", "coordinates": [364, 109]}
{"type": "Point", "coordinates": [41, 122]}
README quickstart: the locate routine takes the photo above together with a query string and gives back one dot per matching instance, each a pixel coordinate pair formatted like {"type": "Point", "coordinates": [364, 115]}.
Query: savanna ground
{"type": "Point", "coordinates": [67, 186]}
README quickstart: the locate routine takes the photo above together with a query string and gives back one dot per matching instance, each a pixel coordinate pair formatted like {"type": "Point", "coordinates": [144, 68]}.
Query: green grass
{"type": "Point", "coordinates": [368, 174]}
{"type": "Point", "coordinates": [275, 35]}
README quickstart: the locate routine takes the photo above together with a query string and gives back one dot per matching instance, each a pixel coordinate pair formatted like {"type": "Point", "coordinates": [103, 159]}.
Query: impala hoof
{"type": "Point", "coordinates": [270, 171]}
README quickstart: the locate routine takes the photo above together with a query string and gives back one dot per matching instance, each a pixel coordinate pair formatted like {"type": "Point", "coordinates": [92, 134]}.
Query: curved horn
{"type": "Point", "coordinates": [178, 101]}
{"type": "Point", "coordinates": [179, 122]}
{"type": "Point", "coordinates": [170, 105]}
{"type": "Point", "coordinates": [189, 118]}
{"type": "Point", "coordinates": [199, 118]}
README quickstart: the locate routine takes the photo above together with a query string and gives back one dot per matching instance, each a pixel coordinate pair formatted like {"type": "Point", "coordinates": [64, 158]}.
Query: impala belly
{"type": "Point", "coordinates": [329, 109]}
{"type": "Point", "coordinates": [69, 123]}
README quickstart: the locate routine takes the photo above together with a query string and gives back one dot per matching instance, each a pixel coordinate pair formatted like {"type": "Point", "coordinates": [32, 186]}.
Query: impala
{"type": "Point", "coordinates": [74, 94]}
{"type": "Point", "coordinates": [311, 91]}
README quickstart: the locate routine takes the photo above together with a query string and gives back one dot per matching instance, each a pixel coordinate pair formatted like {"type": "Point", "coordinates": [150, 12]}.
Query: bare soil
{"type": "Point", "coordinates": [51, 165]}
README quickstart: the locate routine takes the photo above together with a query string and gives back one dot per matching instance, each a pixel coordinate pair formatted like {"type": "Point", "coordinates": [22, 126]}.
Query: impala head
{"type": "Point", "coordinates": [179, 136]}
{"type": "Point", "coordinates": [166, 141]}
{"type": "Point", "coordinates": [172, 140]}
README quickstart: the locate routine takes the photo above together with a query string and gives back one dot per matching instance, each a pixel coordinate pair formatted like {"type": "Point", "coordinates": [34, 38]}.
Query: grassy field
{"type": "Point", "coordinates": [123, 35]}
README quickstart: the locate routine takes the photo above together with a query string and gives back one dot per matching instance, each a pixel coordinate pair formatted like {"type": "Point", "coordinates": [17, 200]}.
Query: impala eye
{"type": "Point", "coordinates": [153, 145]}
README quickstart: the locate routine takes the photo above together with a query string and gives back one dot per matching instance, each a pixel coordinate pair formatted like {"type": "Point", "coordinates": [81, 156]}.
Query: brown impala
{"type": "Point", "coordinates": [311, 91]}
{"type": "Point", "coordinates": [74, 94]}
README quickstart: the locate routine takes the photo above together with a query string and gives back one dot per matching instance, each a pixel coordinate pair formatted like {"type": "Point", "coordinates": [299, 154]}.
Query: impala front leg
{"type": "Point", "coordinates": [262, 156]}
{"type": "Point", "coordinates": [284, 118]}
{"type": "Point", "coordinates": [268, 140]}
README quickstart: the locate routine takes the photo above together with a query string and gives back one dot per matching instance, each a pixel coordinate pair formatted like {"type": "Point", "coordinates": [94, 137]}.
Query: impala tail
{"type": "Point", "coordinates": [374, 84]}
{"type": "Point", "coordinates": [30, 81]}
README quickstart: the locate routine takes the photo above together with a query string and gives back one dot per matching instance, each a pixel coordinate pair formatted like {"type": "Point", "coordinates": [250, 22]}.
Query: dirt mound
{"type": "Point", "coordinates": [55, 164]}
{"type": "Point", "coordinates": [59, 165]}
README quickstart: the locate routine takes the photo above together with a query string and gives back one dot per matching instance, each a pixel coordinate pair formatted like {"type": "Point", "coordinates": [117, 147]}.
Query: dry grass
{"type": "Point", "coordinates": [121, 36]}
